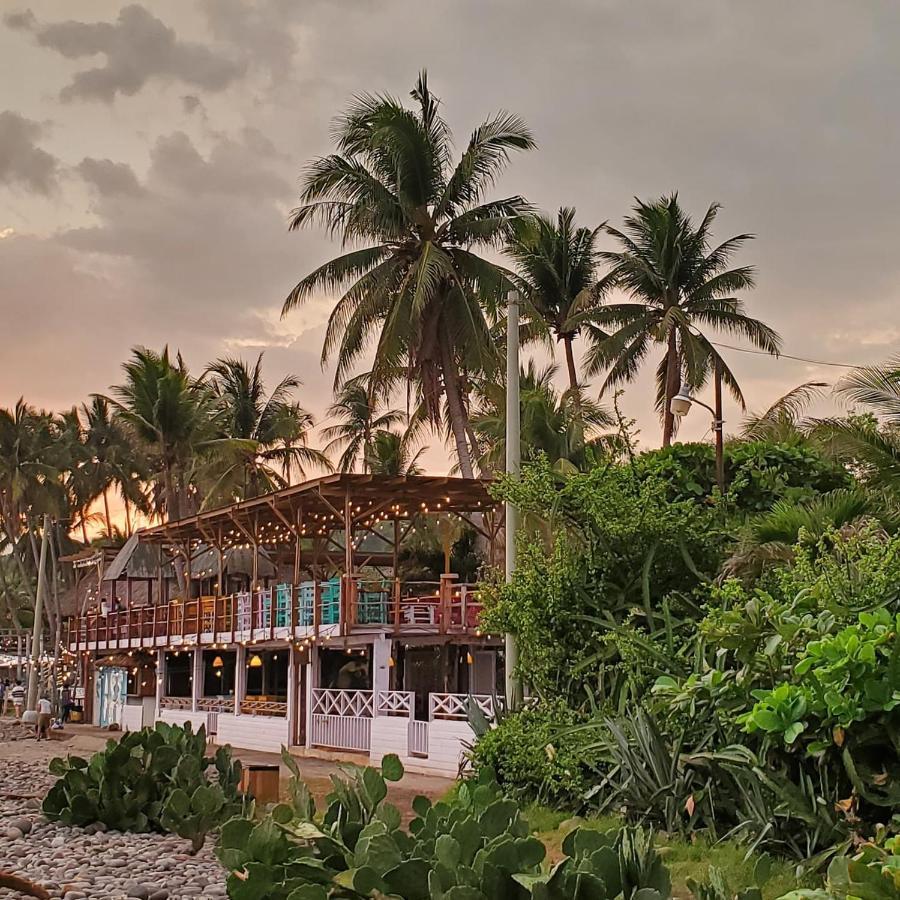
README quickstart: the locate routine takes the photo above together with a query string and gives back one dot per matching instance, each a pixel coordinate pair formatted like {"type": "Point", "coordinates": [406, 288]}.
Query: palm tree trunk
{"type": "Point", "coordinates": [127, 517]}
{"type": "Point", "coordinates": [673, 382]}
{"type": "Point", "coordinates": [570, 361]}
{"type": "Point", "coordinates": [456, 411]}
{"type": "Point", "coordinates": [106, 512]}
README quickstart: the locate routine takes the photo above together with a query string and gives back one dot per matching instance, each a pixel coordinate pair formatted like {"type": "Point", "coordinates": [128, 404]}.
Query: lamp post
{"type": "Point", "coordinates": [513, 465]}
{"type": "Point", "coordinates": [680, 405]}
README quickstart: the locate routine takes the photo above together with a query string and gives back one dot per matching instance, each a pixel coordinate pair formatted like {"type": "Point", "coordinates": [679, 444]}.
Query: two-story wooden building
{"type": "Point", "coordinates": [284, 620]}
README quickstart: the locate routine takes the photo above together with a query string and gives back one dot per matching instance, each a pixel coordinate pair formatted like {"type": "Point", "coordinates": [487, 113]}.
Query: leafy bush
{"type": "Point", "coordinates": [475, 847]}
{"type": "Point", "coordinates": [532, 756]}
{"type": "Point", "coordinates": [150, 780]}
{"type": "Point", "coordinates": [758, 473]}
{"type": "Point", "coordinates": [839, 680]}
{"type": "Point", "coordinates": [873, 874]}
{"type": "Point", "coordinates": [604, 548]}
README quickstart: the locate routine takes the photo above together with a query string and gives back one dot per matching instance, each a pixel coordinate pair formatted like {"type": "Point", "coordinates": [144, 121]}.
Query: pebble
{"type": "Point", "coordinates": [93, 863]}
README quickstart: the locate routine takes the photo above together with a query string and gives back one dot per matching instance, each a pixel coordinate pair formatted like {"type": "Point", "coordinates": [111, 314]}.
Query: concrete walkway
{"type": "Point", "coordinates": [84, 740]}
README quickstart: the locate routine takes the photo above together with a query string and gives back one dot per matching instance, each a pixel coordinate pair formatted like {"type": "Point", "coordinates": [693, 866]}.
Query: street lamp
{"type": "Point", "coordinates": [680, 405]}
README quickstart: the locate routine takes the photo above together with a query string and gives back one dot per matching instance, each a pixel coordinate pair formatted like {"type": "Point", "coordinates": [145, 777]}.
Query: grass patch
{"type": "Point", "coordinates": [686, 860]}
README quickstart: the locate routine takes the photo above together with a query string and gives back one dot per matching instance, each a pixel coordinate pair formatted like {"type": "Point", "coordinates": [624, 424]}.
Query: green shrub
{"type": "Point", "coordinates": [757, 473]}
{"type": "Point", "coordinates": [155, 779]}
{"type": "Point", "coordinates": [476, 847]}
{"type": "Point", "coordinates": [533, 757]}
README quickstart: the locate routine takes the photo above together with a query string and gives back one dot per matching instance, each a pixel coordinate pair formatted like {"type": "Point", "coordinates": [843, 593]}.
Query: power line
{"type": "Point", "coordinates": [816, 362]}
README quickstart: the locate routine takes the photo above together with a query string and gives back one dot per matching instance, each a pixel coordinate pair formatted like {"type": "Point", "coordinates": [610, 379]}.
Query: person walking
{"type": "Point", "coordinates": [65, 700]}
{"type": "Point", "coordinates": [45, 713]}
{"type": "Point", "coordinates": [4, 696]}
{"type": "Point", "coordinates": [17, 695]}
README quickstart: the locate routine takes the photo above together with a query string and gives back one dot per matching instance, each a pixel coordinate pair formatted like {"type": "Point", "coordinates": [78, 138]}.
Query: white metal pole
{"type": "Point", "coordinates": [513, 465]}
{"type": "Point", "coordinates": [34, 674]}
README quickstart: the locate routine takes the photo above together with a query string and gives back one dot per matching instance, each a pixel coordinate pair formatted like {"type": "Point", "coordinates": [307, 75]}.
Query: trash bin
{"type": "Point", "coordinates": [262, 782]}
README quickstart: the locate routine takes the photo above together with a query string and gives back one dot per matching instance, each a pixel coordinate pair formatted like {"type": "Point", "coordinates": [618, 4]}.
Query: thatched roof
{"type": "Point", "coordinates": [138, 560]}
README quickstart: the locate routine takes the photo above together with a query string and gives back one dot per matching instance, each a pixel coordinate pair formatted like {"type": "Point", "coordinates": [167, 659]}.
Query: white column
{"type": "Point", "coordinates": [292, 694]}
{"type": "Point", "coordinates": [160, 680]}
{"type": "Point", "coordinates": [312, 681]}
{"type": "Point", "coordinates": [240, 678]}
{"type": "Point", "coordinates": [381, 672]}
{"type": "Point", "coordinates": [197, 678]}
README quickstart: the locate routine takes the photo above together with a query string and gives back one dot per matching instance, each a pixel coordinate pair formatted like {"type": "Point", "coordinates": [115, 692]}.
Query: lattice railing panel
{"type": "Point", "coordinates": [395, 703]}
{"type": "Point", "coordinates": [453, 706]}
{"type": "Point", "coordinates": [176, 703]}
{"type": "Point", "coordinates": [251, 707]}
{"type": "Point", "coordinates": [332, 702]}
{"type": "Point", "coordinates": [216, 704]}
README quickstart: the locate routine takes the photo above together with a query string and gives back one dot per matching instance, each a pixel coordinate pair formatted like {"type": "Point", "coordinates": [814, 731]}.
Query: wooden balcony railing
{"type": "Point", "coordinates": [342, 604]}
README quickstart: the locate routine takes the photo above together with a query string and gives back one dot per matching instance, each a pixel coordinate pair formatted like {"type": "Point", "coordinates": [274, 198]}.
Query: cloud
{"type": "Point", "coordinates": [138, 48]}
{"type": "Point", "coordinates": [200, 240]}
{"type": "Point", "coordinates": [22, 163]}
{"type": "Point", "coordinates": [108, 177]}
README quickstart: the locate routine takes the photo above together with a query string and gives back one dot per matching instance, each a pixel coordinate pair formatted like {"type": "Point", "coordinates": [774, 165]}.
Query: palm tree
{"type": "Point", "coordinates": [418, 286]}
{"type": "Point", "coordinates": [359, 416]}
{"type": "Point", "coordinates": [872, 439]}
{"type": "Point", "coordinates": [564, 427]}
{"type": "Point", "coordinates": [557, 264]}
{"type": "Point", "coordinates": [173, 417]}
{"type": "Point", "coordinates": [784, 421]}
{"type": "Point", "coordinates": [390, 453]}
{"type": "Point", "coordinates": [108, 461]}
{"type": "Point", "coordinates": [678, 287]}
{"type": "Point", "coordinates": [770, 537]}
{"type": "Point", "coordinates": [32, 460]}
{"type": "Point", "coordinates": [269, 432]}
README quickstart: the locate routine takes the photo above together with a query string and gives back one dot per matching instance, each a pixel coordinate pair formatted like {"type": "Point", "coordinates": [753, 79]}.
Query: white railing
{"type": "Point", "coordinates": [176, 702]}
{"type": "Point", "coordinates": [454, 706]}
{"type": "Point", "coordinates": [395, 703]}
{"type": "Point", "coordinates": [418, 738]}
{"type": "Point", "coordinates": [341, 732]}
{"type": "Point", "coordinates": [251, 706]}
{"type": "Point", "coordinates": [342, 720]}
{"type": "Point", "coordinates": [333, 702]}
{"type": "Point", "coordinates": [216, 704]}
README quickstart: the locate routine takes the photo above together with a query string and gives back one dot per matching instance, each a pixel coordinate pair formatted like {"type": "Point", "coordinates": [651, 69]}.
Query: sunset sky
{"type": "Point", "coordinates": [149, 157]}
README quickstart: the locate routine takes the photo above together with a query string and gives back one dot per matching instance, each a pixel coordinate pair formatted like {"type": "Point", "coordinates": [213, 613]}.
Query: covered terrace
{"type": "Point", "coordinates": [321, 556]}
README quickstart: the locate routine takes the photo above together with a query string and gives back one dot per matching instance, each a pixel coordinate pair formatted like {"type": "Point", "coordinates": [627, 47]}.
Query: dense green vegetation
{"type": "Point", "coordinates": [729, 663]}
{"type": "Point", "coordinates": [474, 845]}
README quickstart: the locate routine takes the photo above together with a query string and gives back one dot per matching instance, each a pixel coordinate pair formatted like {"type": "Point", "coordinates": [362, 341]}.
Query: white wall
{"type": "Point", "coordinates": [266, 733]}
{"type": "Point", "coordinates": [389, 735]}
{"type": "Point", "coordinates": [132, 717]}
{"type": "Point", "coordinates": [445, 744]}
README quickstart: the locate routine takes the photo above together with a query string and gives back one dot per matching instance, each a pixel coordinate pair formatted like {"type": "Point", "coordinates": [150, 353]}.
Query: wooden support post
{"type": "Point", "coordinates": [317, 607]}
{"type": "Point", "coordinates": [240, 678]}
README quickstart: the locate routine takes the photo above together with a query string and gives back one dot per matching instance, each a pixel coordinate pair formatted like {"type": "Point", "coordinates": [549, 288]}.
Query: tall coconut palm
{"type": "Point", "coordinates": [268, 430]}
{"type": "Point", "coordinates": [417, 286]}
{"type": "Point", "coordinates": [359, 416]}
{"type": "Point", "coordinates": [109, 461]}
{"type": "Point", "coordinates": [565, 427]}
{"type": "Point", "coordinates": [557, 264]}
{"type": "Point", "coordinates": [173, 417]}
{"type": "Point", "coordinates": [680, 288]}
{"type": "Point", "coordinates": [390, 453]}
{"type": "Point", "coordinates": [32, 461]}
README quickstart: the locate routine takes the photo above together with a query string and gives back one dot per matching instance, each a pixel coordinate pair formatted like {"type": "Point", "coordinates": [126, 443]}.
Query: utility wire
{"type": "Point", "coordinates": [816, 362]}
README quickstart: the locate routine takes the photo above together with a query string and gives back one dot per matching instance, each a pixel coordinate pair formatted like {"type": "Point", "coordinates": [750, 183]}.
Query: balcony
{"type": "Point", "coordinates": [339, 606]}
